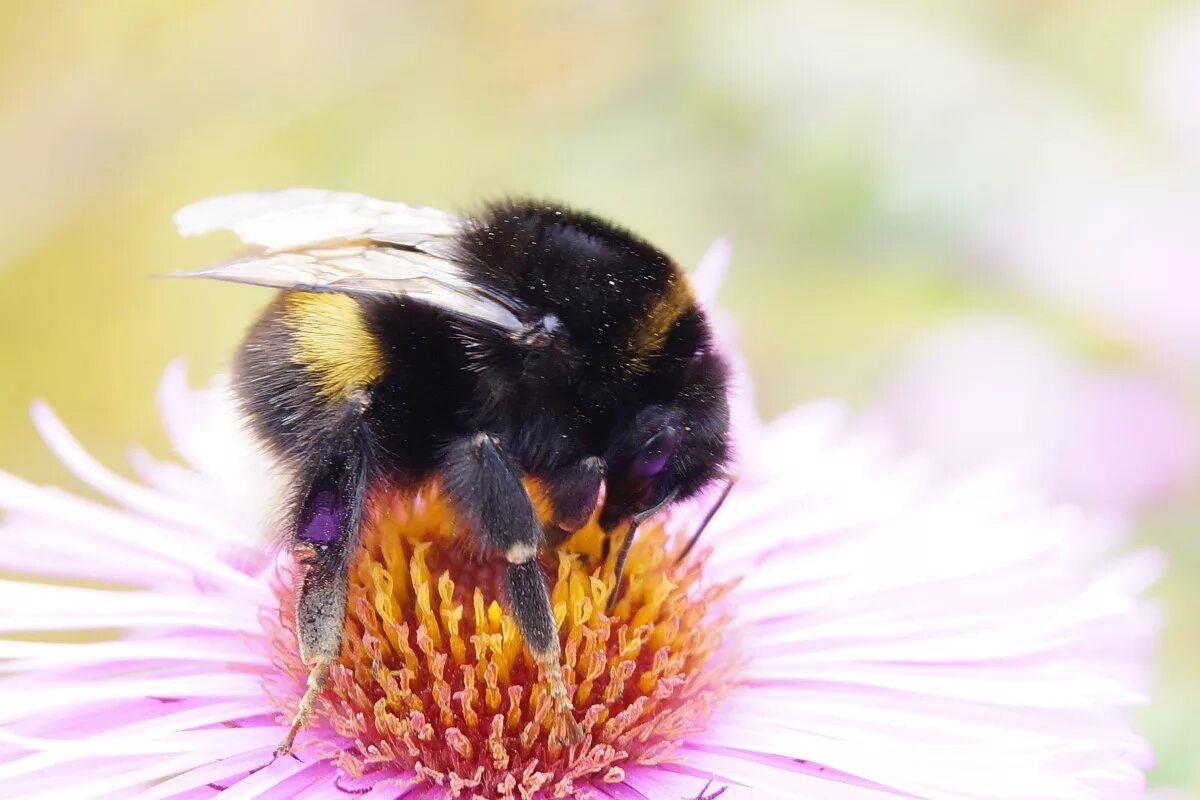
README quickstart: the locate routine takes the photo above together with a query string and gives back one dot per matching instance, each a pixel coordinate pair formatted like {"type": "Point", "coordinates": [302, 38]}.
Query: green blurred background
{"type": "Point", "coordinates": [849, 186]}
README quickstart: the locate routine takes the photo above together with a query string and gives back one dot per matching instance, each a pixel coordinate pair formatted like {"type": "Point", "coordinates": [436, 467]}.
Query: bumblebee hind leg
{"type": "Point", "coordinates": [485, 487]}
{"type": "Point", "coordinates": [325, 533]}
{"type": "Point", "coordinates": [320, 617]}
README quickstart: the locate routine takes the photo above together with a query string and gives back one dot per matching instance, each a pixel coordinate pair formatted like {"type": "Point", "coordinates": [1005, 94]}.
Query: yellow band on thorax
{"type": "Point", "coordinates": [650, 334]}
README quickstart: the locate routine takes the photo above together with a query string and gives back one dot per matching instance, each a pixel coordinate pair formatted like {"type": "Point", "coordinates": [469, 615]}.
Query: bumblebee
{"type": "Point", "coordinates": [411, 345]}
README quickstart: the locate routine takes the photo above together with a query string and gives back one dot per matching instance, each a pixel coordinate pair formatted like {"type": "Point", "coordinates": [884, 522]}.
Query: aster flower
{"type": "Point", "coordinates": [1111, 439]}
{"type": "Point", "coordinates": [849, 628]}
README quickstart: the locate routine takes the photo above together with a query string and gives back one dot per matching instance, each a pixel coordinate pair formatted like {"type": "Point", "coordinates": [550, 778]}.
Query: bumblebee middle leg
{"type": "Point", "coordinates": [485, 486]}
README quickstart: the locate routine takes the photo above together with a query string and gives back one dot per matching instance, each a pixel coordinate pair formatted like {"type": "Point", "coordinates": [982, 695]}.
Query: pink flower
{"type": "Point", "coordinates": [884, 635]}
{"type": "Point", "coordinates": [989, 390]}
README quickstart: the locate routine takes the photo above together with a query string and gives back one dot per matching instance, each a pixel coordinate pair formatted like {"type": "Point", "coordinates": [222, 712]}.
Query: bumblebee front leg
{"type": "Point", "coordinates": [573, 494]}
{"type": "Point", "coordinates": [485, 486]}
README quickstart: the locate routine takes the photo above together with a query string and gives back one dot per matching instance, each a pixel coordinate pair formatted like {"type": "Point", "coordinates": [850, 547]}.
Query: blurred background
{"type": "Point", "coordinates": [978, 221]}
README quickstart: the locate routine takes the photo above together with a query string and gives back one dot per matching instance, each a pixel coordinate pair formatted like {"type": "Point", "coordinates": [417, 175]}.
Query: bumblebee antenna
{"type": "Point", "coordinates": [730, 480]}
{"type": "Point", "coordinates": [623, 553]}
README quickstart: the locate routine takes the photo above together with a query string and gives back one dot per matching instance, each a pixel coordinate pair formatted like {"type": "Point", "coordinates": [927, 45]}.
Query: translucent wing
{"type": "Point", "coordinates": [314, 240]}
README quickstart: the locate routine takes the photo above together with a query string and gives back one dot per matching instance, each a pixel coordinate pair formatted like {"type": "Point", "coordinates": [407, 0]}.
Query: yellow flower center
{"type": "Point", "coordinates": [434, 681]}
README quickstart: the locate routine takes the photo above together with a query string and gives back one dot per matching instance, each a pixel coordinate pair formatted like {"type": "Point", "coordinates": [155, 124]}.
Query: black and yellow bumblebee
{"type": "Point", "coordinates": [411, 344]}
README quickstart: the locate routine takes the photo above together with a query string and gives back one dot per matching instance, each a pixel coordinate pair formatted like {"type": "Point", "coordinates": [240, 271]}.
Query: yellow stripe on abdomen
{"type": "Point", "coordinates": [330, 339]}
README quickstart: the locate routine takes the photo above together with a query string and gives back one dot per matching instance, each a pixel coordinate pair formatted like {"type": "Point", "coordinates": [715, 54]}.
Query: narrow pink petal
{"type": "Point", "coordinates": [131, 619]}
{"type": "Point", "coordinates": [99, 718]}
{"type": "Point", "coordinates": [15, 704]}
{"type": "Point", "coordinates": [621, 791]}
{"type": "Point", "coordinates": [164, 723]}
{"type": "Point", "coordinates": [78, 783]}
{"type": "Point", "coordinates": [916, 721]}
{"type": "Point", "coordinates": [784, 780]}
{"type": "Point", "coordinates": [122, 743]}
{"type": "Point", "coordinates": [134, 497]}
{"type": "Point", "coordinates": [33, 545]}
{"type": "Point", "coordinates": [122, 528]}
{"type": "Point", "coordinates": [709, 273]}
{"type": "Point", "coordinates": [185, 414]}
{"type": "Point", "coordinates": [265, 782]}
{"type": "Point", "coordinates": [38, 656]}
{"type": "Point", "coordinates": [1001, 685]}
{"type": "Point", "coordinates": [206, 429]}
{"type": "Point", "coordinates": [655, 782]}
{"type": "Point", "coordinates": [221, 773]}
{"type": "Point", "coordinates": [36, 598]}
{"type": "Point", "coordinates": [92, 778]}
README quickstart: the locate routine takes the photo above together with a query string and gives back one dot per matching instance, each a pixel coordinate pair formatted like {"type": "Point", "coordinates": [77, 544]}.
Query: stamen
{"type": "Point", "coordinates": [434, 680]}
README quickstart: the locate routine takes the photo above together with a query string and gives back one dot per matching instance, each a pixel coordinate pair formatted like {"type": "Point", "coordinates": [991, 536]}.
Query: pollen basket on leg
{"type": "Point", "coordinates": [434, 683]}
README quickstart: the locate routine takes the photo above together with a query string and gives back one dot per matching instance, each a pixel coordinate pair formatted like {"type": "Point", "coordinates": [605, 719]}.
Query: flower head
{"type": "Point", "coordinates": [435, 684]}
{"type": "Point", "coordinates": [849, 628]}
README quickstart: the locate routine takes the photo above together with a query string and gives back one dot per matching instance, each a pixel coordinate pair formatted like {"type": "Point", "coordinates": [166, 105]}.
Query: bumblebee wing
{"type": "Point", "coordinates": [314, 240]}
{"type": "Point", "coordinates": [293, 218]}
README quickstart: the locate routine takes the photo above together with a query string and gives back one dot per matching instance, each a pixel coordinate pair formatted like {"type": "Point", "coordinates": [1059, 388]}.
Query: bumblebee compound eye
{"type": "Point", "coordinates": [639, 460]}
{"type": "Point", "coordinates": [654, 455]}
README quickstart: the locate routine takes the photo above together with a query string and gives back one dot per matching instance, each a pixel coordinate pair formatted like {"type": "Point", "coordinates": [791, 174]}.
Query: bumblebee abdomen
{"type": "Point", "coordinates": [427, 393]}
{"type": "Point", "coordinates": [331, 340]}
{"type": "Point", "coordinates": [311, 354]}
{"type": "Point", "coordinates": [297, 366]}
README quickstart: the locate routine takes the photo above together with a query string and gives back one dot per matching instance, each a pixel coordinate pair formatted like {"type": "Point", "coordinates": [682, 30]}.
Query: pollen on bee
{"type": "Point", "coordinates": [520, 553]}
{"type": "Point", "coordinates": [434, 680]}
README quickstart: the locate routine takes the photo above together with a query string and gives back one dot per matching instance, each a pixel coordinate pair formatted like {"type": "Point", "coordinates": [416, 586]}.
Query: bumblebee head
{"type": "Point", "coordinates": [671, 448]}
{"type": "Point", "coordinates": [613, 334]}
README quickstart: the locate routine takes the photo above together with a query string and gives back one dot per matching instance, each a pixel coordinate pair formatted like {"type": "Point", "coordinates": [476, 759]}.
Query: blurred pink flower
{"type": "Point", "coordinates": [901, 636]}
{"type": "Point", "coordinates": [1020, 178]}
{"type": "Point", "coordinates": [1128, 254]}
{"type": "Point", "coordinates": [991, 390]}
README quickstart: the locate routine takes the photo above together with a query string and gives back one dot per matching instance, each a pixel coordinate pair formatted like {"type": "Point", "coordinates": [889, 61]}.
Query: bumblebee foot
{"type": "Point", "coordinates": [564, 709]}
{"type": "Point", "coordinates": [316, 684]}
{"type": "Point", "coordinates": [572, 732]}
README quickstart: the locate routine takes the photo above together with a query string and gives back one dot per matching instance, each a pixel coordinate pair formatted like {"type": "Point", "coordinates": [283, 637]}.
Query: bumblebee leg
{"type": "Point", "coordinates": [626, 543]}
{"type": "Point", "coordinates": [320, 616]}
{"type": "Point", "coordinates": [316, 684]}
{"type": "Point", "coordinates": [619, 566]}
{"type": "Point", "coordinates": [485, 487]}
{"type": "Point", "coordinates": [730, 481]}
{"type": "Point", "coordinates": [324, 537]}
{"type": "Point", "coordinates": [574, 493]}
